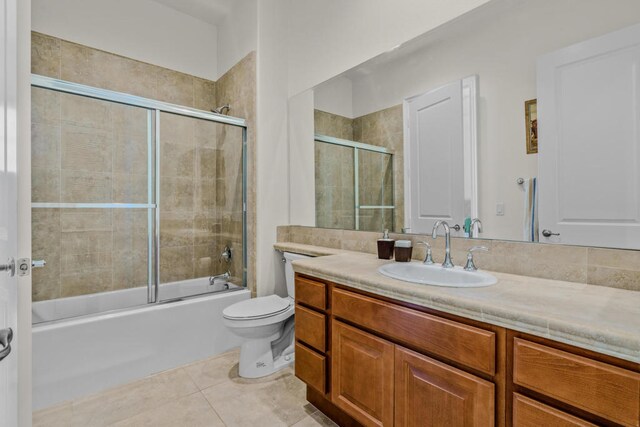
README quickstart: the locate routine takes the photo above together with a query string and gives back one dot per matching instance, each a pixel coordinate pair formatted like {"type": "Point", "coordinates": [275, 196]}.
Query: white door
{"type": "Point", "coordinates": [434, 159]}
{"type": "Point", "coordinates": [8, 215]}
{"type": "Point", "coordinates": [589, 145]}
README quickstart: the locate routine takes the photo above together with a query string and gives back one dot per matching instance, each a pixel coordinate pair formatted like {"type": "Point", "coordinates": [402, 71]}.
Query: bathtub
{"type": "Point", "coordinates": [97, 344]}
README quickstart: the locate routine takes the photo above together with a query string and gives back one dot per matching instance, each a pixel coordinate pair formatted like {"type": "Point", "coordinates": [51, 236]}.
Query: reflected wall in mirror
{"type": "Point", "coordinates": [461, 152]}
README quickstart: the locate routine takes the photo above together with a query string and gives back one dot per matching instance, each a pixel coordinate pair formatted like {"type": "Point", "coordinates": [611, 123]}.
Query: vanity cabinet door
{"type": "Point", "coordinates": [429, 393]}
{"type": "Point", "coordinates": [362, 375]}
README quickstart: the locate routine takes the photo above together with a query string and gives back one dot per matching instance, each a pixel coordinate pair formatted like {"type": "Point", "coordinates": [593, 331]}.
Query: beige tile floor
{"type": "Point", "coordinates": [205, 393]}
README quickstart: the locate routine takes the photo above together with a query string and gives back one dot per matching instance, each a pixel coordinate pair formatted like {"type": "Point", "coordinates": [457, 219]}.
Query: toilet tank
{"type": "Point", "coordinates": [288, 271]}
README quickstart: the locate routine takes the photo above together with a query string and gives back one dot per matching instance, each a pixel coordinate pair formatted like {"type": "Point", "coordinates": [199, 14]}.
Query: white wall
{"type": "Point", "coordinates": [272, 144]}
{"type": "Point", "coordinates": [335, 96]}
{"type": "Point", "coordinates": [302, 159]}
{"type": "Point", "coordinates": [140, 29]}
{"type": "Point", "coordinates": [330, 36]}
{"type": "Point", "coordinates": [501, 50]}
{"type": "Point", "coordinates": [237, 34]}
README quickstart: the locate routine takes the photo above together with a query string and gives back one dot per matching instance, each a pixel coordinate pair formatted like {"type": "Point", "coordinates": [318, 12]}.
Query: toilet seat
{"type": "Point", "coordinates": [257, 308]}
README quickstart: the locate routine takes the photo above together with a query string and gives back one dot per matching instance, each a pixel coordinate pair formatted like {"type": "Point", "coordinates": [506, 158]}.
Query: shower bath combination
{"type": "Point", "coordinates": [129, 257]}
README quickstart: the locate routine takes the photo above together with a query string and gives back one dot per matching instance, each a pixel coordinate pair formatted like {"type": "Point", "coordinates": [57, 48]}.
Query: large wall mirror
{"type": "Point", "coordinates": [517, 121]}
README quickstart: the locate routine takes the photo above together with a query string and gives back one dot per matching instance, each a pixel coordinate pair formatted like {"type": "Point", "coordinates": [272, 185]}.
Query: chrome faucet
{"type": "Point", "coordinates": [447, 236]}
{"type": "Point", "coordinates": [428, 260]}
{"type": "Point", "coordinates": [472, 232]}
{"type": "Point", "coordinates": [223, 276]}
{"type": "Point", "coordinates": [471, 266]}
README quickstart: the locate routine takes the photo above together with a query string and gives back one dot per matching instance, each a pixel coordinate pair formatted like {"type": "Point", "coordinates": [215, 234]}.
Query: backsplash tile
{"type": "Point", "coordinates": [616, 268]}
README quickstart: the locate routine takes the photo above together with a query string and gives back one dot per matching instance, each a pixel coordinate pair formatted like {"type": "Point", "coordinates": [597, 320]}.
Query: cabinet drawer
{"type": "Point", "coordinates": [311, 293]}
{"type": "Point", "coordinates": [604, 390]}
{"type": "Point", "coordinates": [311, 368]}
{"type": "Point", "coordinates": [530, 413]}
{"type": "Point", "coordinates": [311, 328]}
{"type": "Point", "coordinates": [455, 341]}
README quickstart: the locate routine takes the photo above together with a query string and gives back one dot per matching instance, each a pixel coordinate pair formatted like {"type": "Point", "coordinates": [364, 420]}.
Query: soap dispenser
{"type": "Point", "coordinates": [385, 246]}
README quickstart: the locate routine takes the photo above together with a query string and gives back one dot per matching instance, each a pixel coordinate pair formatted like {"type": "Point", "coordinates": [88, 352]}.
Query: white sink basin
{"type": "Point", "coordinates": [436, 275]}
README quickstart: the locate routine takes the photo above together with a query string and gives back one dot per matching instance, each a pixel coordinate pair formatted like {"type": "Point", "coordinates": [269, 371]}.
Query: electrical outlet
{"type": "Point", "coordinates": [500, 209]}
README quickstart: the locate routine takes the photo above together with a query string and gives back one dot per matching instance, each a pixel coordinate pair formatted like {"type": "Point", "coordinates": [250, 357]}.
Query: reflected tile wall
{"type": "Point", "coordinates": [384, 129]}
{"type": "Point", "coordinates": [380, 182]}
{"type": "Point", "coordinates": [87, 150]}
{"type": "Point", "coordinates": [334, 186]}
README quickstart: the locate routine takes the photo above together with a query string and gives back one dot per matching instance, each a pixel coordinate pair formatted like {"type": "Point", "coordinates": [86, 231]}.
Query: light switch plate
{"type": "Point", "coordinates": [500, 209]}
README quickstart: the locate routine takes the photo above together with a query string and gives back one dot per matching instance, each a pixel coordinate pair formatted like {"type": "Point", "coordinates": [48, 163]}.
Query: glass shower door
{"type": "Point", "coordinates": [375, 210]}
{"type": "Point", "coordinates": [335, 186]}
{"type": "Point", "coordinates": [354, 185]}
{"type": "Point", "coordinates": [92, 204]}
{"type": "Point", "coordinates": [200, 206]}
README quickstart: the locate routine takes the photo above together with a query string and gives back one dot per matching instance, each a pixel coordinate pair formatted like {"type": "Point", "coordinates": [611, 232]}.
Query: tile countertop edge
{"type": "Point", "coordinates": [601, 340]}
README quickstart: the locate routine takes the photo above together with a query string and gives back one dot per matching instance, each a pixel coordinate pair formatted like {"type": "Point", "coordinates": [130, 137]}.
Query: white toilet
{"type": "Point", "coordinates": [267, 324]}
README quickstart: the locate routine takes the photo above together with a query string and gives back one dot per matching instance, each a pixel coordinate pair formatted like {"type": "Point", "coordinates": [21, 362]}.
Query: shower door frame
{"type": "Point", "coordinates": [356, 170]}
{"type": "Point", "coordinates": [154, 109]}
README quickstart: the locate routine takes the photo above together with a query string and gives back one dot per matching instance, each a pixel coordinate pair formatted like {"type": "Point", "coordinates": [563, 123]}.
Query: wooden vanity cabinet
{"type": "Point", "coordinates": [372, 361]}
{"type": "Point", "coordinates": [388, 364]}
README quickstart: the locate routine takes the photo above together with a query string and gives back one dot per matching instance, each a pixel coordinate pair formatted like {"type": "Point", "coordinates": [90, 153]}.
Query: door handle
{"type": "Point", "coordinates": [6, 336]}
{"type": "Point", "coordinates": [9, 267]}
{"type": "Point", "coordinates": [549, 233]}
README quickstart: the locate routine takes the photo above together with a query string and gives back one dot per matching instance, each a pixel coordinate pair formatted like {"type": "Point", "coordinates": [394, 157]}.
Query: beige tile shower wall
{"type": "Point", "coordinates": [384, 129]}
{"type": "Point", "coordinates": [92, 151]}
{"type": "Point", "coordinates": [53, 57]}
{"type": "Point", "coordinates": [237, 87]}
{"type": "Point", "coordinates": [333, 125]}
{"type": "Point", "coordinates": [617, 268]}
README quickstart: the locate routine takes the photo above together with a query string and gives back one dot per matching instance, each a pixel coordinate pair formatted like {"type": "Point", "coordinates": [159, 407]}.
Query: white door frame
{"type": "Point", "coordinates": [23, 129]}
{"type": "Point", "coordinates": [15, 181]}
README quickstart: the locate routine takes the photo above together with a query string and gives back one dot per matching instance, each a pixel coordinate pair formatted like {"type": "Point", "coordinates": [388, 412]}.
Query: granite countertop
{"type": "Point", "coordinates": [598, 318]}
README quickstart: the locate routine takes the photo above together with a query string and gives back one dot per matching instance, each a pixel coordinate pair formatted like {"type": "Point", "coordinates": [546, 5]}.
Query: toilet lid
{"type": "Point", "coordinates": [257, 307]}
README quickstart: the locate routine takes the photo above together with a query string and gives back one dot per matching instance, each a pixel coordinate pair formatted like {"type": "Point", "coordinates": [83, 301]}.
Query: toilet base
{"type": "Point", "coordinates": [256, 358]}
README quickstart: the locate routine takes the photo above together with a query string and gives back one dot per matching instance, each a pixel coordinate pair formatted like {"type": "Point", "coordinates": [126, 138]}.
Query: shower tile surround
{"type": "Point", "coordinates": [335, 177]}
{"type": "Point", "coordinates": [95, 151]}
{"type": "Point", "coordinates": [616, 268]}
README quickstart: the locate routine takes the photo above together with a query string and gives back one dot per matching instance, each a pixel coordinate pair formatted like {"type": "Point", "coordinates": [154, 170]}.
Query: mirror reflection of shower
{"type": "Point", "coordinates": [223, 110]}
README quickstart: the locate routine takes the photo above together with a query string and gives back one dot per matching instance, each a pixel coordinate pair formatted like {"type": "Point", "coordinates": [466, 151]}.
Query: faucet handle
{"type": "Point", "coordinates": [470, 265]}
{"type": "Point", "coordinates": [427, 259]}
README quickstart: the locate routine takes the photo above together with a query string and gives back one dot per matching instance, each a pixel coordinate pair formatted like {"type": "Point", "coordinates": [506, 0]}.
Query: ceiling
{"type": "Point", "coordinates": [210, 11]}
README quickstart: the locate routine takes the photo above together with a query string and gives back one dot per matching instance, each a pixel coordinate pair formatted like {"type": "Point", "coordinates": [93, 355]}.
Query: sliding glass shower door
{"type": "Point", "coordinates": [201, 205]}
{"type": "Point", "coordinates": [132, 199]}
{"type": "Point", "coordinates": [92, 171]}
{"type": "Point", "coordinates": [354, 185]}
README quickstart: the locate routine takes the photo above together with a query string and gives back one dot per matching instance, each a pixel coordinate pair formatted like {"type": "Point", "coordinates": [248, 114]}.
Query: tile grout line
{"type": "Point", "coordinates": [212, 408]}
